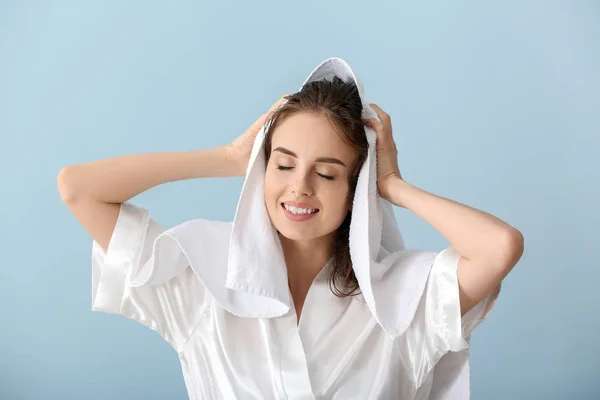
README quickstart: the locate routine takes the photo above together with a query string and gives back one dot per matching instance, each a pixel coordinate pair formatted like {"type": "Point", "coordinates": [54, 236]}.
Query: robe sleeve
{"type": "Point", "coordinates": [438, 327]}
{"type": "Point", "coordinates": [171, 308]}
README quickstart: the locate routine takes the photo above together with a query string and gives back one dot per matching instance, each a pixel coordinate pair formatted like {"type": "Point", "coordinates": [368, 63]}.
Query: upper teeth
{"type": "Point", "coordinates": [296, 210]}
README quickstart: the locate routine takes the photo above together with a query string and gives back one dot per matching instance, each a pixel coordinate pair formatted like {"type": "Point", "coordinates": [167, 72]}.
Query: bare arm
{"type": "Point", "coordinates": [489, 247]}
{"type": "Point", "coordinates": [94, 191]}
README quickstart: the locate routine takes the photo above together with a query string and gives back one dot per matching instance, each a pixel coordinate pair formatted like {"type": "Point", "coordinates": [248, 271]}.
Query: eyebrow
{"type": "Point", "coordinates": [330, 160]}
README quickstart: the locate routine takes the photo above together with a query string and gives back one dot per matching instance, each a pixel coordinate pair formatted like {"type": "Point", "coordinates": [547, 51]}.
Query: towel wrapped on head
{"type": "Point", "coordinates": [254, 283]}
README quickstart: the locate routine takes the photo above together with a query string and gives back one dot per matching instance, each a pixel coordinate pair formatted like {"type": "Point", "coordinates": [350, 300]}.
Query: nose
{"type": "Point", "coordinates": [301, 185]}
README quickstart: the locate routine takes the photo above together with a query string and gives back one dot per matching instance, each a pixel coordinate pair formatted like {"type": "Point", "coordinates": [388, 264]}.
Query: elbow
{"type": "Point", "coordinates": [64, 182]}
{"type": "Point", "coordinates": [513, 246]}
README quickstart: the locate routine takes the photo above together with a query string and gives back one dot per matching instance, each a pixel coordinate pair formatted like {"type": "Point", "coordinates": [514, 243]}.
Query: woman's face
{"type": "Point", "coordinates": [309, 163]}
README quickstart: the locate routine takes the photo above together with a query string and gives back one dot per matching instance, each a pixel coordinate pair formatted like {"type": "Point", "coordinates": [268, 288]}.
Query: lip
{"type": "Point", "coordinates": [297, 218]}
{"type": "Point", "coordinates": [300, 205]}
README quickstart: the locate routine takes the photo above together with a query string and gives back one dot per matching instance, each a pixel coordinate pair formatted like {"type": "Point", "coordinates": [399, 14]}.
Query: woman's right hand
{"type": "Point", "coordinates": [239, 150]}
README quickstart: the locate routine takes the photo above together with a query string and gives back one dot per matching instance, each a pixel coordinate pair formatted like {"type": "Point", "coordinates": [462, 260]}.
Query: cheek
{"type": "Point", "coordinates": [336, 197]}
{"type": "Point", "coordinates": [272, 186]}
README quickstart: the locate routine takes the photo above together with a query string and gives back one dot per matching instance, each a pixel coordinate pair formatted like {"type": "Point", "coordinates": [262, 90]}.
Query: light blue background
{"type": "Point", "coordinates": [495, 105]}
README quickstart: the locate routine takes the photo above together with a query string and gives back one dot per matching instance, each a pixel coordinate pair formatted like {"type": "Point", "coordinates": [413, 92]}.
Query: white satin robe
{"type": "Point", "coordinates": [337, 351]}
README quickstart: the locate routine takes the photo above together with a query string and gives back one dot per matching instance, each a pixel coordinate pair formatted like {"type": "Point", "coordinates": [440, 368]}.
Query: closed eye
{"type": "Point", "coordinates": [282, 168]}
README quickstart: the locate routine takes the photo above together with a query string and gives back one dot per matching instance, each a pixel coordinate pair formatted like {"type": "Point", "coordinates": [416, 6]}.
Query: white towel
{"type": "Point", "coordinates": [256, 262]}
{"type": "Point", "coordinates": [248, 275]}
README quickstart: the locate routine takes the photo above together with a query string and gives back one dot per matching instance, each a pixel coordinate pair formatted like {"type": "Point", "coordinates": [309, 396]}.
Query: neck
{"type": "Point", "coordinates": [304, 259]}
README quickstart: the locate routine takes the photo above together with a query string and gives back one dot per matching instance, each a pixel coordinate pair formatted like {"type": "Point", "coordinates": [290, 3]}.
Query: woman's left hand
{"type": "Point", "coordinates": [387, 153]}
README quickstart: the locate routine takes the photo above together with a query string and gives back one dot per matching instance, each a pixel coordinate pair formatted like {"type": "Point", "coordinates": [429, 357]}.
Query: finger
{"type": "Point", "coordinates": [259, 122]}
{"type": "Point", "coordinates": [278, 103]}
{"type": "Point", "coordinates": [380, 113]}
{"type": "Point", "coordinates": [383, 134]}
{"type": "Point", "coordinates": [372, 123]}
{"type": "Point", "coordinates": [263, 118]}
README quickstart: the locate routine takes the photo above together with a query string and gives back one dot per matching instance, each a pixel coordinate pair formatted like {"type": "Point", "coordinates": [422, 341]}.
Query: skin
{"type": "Point", "coordinates": [489, 247]}
{"type": "Point", "coordinates": [307, 245]}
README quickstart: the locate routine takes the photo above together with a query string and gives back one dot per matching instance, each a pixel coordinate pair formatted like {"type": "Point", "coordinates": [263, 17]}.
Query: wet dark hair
{"type": "Point", "coordinates": [340, 103]}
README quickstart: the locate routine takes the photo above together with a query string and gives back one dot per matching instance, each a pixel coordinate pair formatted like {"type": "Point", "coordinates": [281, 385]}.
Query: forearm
{"type": "Point", "coordinates": [475, 234]}
{"type": "Point", "coordinates": [118, 179]}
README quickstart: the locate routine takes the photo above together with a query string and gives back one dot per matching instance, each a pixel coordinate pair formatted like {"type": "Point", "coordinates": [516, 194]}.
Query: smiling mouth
{"type": "Point", "coordinates": [283, 206]}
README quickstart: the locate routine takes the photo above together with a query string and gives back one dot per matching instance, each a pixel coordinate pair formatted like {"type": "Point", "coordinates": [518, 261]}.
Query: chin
{"type": "Point", "coordinates": [295, 235]}
{"type": "Point", "coordinates": [301, 234]}
{"type": "Point", "coordinates": [287, 229]}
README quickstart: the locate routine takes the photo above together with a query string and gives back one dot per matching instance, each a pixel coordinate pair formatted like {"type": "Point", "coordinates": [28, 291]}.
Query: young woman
{"type": "Point", "coordinates": [342, 333]}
